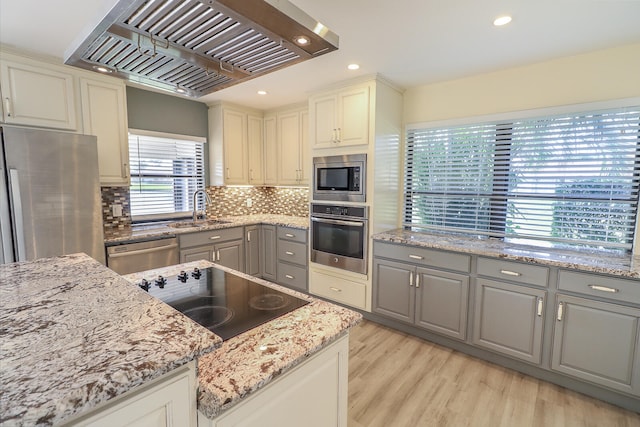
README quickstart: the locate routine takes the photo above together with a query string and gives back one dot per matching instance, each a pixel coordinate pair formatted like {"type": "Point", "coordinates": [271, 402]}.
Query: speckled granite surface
{"type": "Point", "coordinates": [74, 334]}
{"type": "Point", "coordinates": [618, 265]}
{"type": "Point", "coordinates": [135, 233]}
{"type": "Point", "coordinates": [249, 361]}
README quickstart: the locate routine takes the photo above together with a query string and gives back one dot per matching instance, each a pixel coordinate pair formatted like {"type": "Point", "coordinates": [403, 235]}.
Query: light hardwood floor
{"type": "Point", "coordinates": [397, 380]}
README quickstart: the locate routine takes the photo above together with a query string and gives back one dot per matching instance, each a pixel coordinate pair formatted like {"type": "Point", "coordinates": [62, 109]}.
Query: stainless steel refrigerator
{"type": "Point", "coordinates": [49, 195]}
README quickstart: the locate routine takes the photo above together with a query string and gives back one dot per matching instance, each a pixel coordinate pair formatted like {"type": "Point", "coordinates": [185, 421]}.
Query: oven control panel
{"type": "Point", "coordinates": [340, 210]}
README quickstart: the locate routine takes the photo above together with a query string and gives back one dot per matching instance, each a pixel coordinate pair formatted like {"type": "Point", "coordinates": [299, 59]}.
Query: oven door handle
{"type": "Point", "coordinates": [338, 222]}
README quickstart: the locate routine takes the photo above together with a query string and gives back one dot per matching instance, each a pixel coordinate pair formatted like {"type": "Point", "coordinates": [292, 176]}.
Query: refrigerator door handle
{"type": "Point", "coordinates": [5, 222]}
{"type": "Point", "coordinates": [14, 184]}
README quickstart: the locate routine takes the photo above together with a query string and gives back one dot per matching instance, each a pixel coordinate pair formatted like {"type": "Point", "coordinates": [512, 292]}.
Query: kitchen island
{"type": "Point", "coordinates": [77, 337]}
{"type": "Point", "coordinates": [248, 363]}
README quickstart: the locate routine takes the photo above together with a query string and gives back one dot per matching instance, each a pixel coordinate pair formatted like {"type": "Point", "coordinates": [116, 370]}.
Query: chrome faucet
{"type": "Point", "coordinates": [195, 203]}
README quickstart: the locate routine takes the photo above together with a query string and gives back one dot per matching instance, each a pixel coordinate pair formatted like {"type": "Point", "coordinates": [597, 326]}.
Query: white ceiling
{"type": "Point", "coordinates": [410, 42]}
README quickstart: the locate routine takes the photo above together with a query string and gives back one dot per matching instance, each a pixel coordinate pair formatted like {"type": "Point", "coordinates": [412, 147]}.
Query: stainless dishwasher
{"type": "Point", "coordinates": [133, 257]}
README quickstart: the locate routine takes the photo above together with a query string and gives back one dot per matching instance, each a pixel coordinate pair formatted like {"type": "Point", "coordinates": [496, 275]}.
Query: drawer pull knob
{"type": "Point", "coordinates": [416, 256]}
{"type": "Point", "coordinates": [289, 235]}
{"type": "Point", "coordinates": [335, 289]}
{"type": "Point", "coordinates": [604, 289]}
{"type": "Point", "coordinates": [288, 276]}
{"type": "Point", "coordinates": [289, 253]}
{"type": "Point", "coordinates": [214, 237]}
{"type": "Point", "coordinates": [510, 273]}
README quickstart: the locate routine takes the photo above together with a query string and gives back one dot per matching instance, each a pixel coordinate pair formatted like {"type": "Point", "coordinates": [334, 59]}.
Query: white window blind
{"type": "Point", "coordinates": [165, 172]}
{"type": "Point", "coordinates": [571, 178]}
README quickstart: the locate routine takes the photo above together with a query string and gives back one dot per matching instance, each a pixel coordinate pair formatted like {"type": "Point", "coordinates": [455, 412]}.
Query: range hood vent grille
{"type": "Point", "coordinates": [200, 46]}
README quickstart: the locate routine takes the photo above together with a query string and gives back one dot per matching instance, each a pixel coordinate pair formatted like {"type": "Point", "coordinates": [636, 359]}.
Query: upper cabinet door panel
{"type": "Point", "coordinates": [354, 117]}
{"type": "Point", "coordinates": [38, 96]}
{"type": "Point", "coordinates": [104, 114]}
{"type": "Point", "coordinates": [254, 148]}
{"type": "Point", "coordinates": [235, 147]}
{"type": "Point", "coordinates": [324, 120]}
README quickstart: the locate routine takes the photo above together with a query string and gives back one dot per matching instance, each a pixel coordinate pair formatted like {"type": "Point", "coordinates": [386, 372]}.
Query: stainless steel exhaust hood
{"type": "Point", "coordinates": [196, 47]}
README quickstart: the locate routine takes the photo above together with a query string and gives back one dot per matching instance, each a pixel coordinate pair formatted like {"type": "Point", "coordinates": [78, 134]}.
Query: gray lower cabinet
{"type": "Point", "coordinates": [252, 243]}
{"type": "Point", "coordinates": [431, 299]}
{"type": "Point", "coordinates": [292, 258]}
{"type": "Point", "coordinates": [268, 255]}
{"type": "Point", "coordinates": [598, 342]}
{"type": "Point", "coordinates": [224, 247]}
{"type": "Point", "coordinates": [509, 319]}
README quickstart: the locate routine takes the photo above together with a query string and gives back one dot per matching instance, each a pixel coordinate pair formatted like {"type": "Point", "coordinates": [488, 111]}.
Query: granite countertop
{"type": "Point", "coordinates": [249, 361]}
{"type": "Point", "coordinates": [624, 266]}
{"type": "Point", "coordinates": [146, 232]}
{"type": "Point", "coordinates": [75, 334]}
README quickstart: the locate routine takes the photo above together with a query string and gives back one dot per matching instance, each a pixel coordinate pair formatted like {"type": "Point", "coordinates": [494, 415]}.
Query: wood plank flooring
{"type": "Point", "coordinates": [397, 380]}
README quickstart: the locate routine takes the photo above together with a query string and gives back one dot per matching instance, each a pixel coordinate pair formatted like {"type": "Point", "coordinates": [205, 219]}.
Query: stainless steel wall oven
{"type": "Point", "coordinates": [339, 236]}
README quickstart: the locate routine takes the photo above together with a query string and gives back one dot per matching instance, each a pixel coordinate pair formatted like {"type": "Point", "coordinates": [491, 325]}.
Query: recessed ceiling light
{"type": "Point", "coordinates": [262, 92]}
{"type": "Point", "coordinates": [353, 66]}
{"type": "Point", "coordinates": [180, 90]}
{"type": "Point", "coordinates": [301, 40]}
{"type": "Point", "coordinates": [501, 20]}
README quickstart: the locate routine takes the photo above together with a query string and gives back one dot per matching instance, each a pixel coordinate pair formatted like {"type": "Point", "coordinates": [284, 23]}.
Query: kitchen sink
{"type": "Point", "coordinates": [203, 223]}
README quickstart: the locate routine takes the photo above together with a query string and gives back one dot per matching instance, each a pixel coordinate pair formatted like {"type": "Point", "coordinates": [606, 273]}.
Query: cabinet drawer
{"type": "Point", "coordinates": [295, 234]}
{"type": "Point", "coordinates": [339, 289]}
{"type": "Point", "coordinates": [513, 271]}
{"type": "Point", "coordinates": [292, 276]}
{"type": "Point", "coordinates": [422, 256]}
{"type": "Point", "coordinates": [627, 290]}
{"type": "Point", "coordinates": [292, 252]}
{"type": "Point", "coordinates": [210, 237]}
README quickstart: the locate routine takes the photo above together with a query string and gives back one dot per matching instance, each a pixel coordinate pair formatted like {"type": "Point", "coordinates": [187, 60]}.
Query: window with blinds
{"type": "Point", "coordinates": [165, 172]}
{"type": "Point", "coordinates": [566, 179]}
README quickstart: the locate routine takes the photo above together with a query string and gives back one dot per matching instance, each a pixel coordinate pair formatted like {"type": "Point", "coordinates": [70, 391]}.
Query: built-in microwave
{"type": "Point", "coordinates": [340, 178]}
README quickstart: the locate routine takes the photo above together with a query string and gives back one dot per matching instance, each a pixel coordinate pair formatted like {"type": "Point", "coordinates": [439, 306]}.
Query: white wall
{"type": "Point", "coordinates": [596, 76]}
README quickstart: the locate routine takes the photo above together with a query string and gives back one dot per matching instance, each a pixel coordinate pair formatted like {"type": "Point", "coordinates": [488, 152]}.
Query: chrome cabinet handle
{"type": "Point", "coordinates": [510, 273]}
{"type": "Point", "coordinates": [410, 279]}
{"type": "Point", "coordinates": [539, 310]}
{"type": "Point", "coordinates": [248, 236]}
{"type": "Point", "coordinates": [417, 280]}
{"type": "Point", "coordinates": [335, 289]}
{"type": "Point", "coordinates": [289, 253]}
{"type": "Point", "coordinates": [217, 255]}
{"type": "Point", "coordinates": [288, 276]}
{"type": "Point", "coordinates": [289, 235]}
{"type": "Point", "coordinates": [227, 173]}
{"type": "Point", "coordinates": [415, 256]}
{"type": "Point", "coordinates": [214, 237]}
{"type": "Point", "coordinates": [604, 289]}
{"type": "Point", "coordinates": [560, 311]}
{"type": "Point", "coordinates": [125, 171]}
{"type": "Point", "coordinates": [251, 174]}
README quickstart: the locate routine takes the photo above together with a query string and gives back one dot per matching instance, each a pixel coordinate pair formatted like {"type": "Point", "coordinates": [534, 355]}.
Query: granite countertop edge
{"type": "Point", "coordinates": [248, 362]}
{"type": "Point", "coordinates": [114, 236]}
{"type": "Point", "coordinates": [587, 261]}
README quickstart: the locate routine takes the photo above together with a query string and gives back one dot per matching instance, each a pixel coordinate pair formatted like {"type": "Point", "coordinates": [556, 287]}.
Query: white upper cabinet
{"type": "Point", "coordinates": [255, 149]}
{"type": "Point", "coordinates": [104, 114]}
{"type": "Point", "coordinates": [270, 150]}
{"type": "Point", "coordinates": [293, 150]}
{"type": "Point", "coordinates": [37, 94]}
{"type": "Point", "coordinates": [340, 118]}
{"type": "Point", "coordinates": [235, 153]}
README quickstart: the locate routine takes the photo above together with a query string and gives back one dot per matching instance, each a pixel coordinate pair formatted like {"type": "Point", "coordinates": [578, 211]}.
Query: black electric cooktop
{"type": "Point", "coordinates": [222, 302]}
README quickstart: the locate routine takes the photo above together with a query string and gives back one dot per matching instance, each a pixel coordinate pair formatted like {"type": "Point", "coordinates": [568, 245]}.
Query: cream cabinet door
{"type": "Point", "coordinates": [254, 147]}
{"type": "Point", "coordinates": [305, 149]}
{"type": "Point", "coordinates": [324, 120]}
{"type": "Point", "coordinates": [289, 148]}
{"type": "Point", "coordinates": [38, 96]}
{"type": "Point", "coordinates": [270, 151]}
{"type": "Point", "coordinates": [235, 147]}
{"type": "Point", "coordinates": [353, 118]}
{"type": "Point", "coordinates": [104, 114]}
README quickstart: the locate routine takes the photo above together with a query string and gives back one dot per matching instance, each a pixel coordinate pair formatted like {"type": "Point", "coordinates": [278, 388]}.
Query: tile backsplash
{"type": "Point", "coordinates": [115, 196]}
{"type": "Point", "coordinates": [226, 201]}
